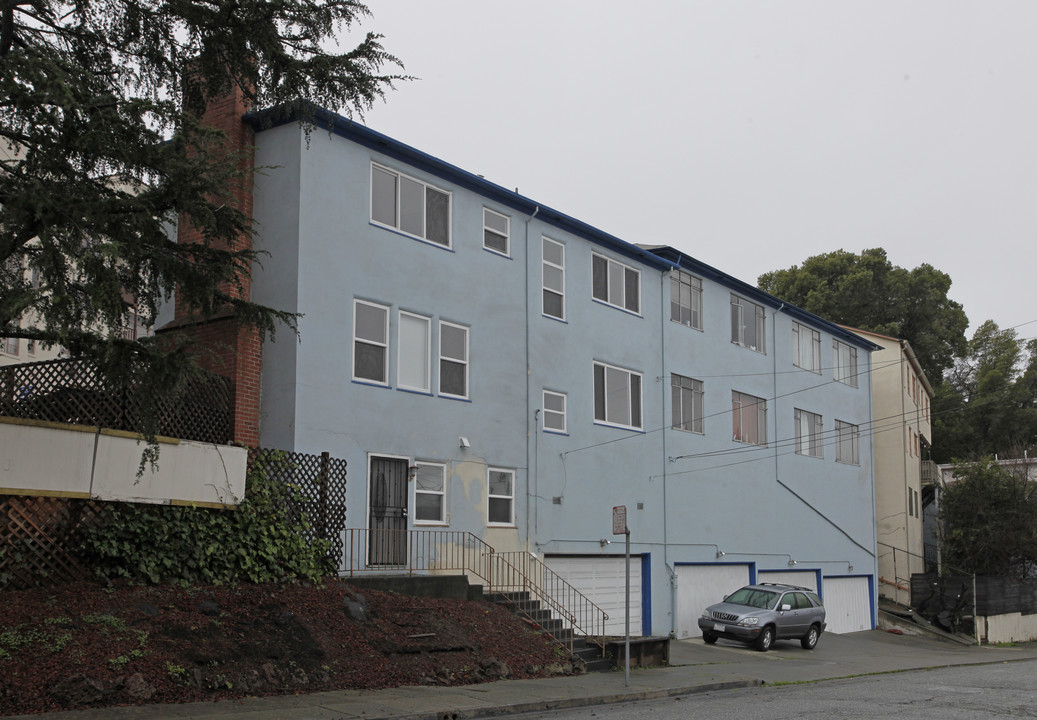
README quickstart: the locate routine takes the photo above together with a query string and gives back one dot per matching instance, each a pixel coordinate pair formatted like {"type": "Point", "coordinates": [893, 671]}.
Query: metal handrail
{"type": "Point", "coordinates": [418, 551]}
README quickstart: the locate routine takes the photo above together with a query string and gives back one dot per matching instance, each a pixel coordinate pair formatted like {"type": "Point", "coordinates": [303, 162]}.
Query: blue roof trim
{"type": "Point", "coordinates": [362, 135]}
{"type": "Point", "coordinates": [764, 298]}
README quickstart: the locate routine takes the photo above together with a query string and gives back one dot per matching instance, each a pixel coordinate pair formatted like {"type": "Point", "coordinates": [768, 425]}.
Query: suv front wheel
{"type": "Point", "coordinates": [766, 639]}
{"type": "Point", "coordinates": [810, 639]}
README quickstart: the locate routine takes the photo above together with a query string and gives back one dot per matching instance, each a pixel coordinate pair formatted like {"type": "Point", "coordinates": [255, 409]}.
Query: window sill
{"type": "Point", "coordinates": [501, 525]}
{"type": "Point", "coordinates": [556, 432]}
{"type": "Point", "coordinates": [616, 307]}
{"type": "Point", "coordinates": [748, 347]}
{"type": "Point", "coordinates": [455, 397]}
{"type": "Point", "coordinates": [685, 325]}
{"type": "Point", "coordinates": [431, 523]}
{"type": "Point", "coordinates": [498, 253]}
{"type": "Point", "coordinates": [372, 383]}
{"type": "Point", "coordinates": [556, 319]}
{"type": "Point", "coordinates": [426, 393]}
{"type": "Point", "coordinates": [401, 233]}
{"type": "Point", "coordinates": [628, 428]}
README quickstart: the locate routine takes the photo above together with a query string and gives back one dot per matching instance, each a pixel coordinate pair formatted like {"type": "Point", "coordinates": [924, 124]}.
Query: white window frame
{"type": "Point", "coordinates": [742, 403]}
{"type": "Point", "coordinates": [809, 434]}
{"type": "Point", "coordinates": [397, 221]}
{"type": "Point", "coordinates": [806, 348]}
{"type": "Point", "coordinates": [441, 494]}
{"type": "Point", "coordinates": [491, 232]}
{"type": "Point", "coordinates": [384, 345]}
{"type": "Point", "coordinates": [403, 351]}
{"type": "Point", "coordinates": [545, 263]}
{"type": "Point", "coordinates": [680, 279]}
{"type": "Point", "coordinates": [462, 361]}
{"type": "Point", "coordinates": [561, 426]}
{"type": "Point", "coordinates": [739, 306]}
{"type": "Point", "coordinates": [634, 401]}
{"type": "Point", "coordinates": [845, 368]}
{"type": "Point", "coordinates": [847, 437]}
{"type": "Point", "coordinates": [680, 387]}
{"type": "Point", "coordinates": [609, 297]}
{"type": "Point", "coordinates": [509, 498]}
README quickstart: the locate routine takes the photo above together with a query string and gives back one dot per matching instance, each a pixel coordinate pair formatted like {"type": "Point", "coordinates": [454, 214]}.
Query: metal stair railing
{"type": "Point", "coordinates": [366, 550]}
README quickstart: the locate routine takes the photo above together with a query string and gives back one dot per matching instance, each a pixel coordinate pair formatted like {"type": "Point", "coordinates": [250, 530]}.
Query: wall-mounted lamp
{"type": "Point", "coordinates": [792, 563]}
{"type": "Point", "coordinates": [412, 472]}
{"type": "Point", "coordinates": [720, 553]}
{"type": "Point", "coordinates": [604, 541]}
{"type": "Point", "coordinates": [463, 442]}
{"type": "Point", "coordinates": [849, 567]}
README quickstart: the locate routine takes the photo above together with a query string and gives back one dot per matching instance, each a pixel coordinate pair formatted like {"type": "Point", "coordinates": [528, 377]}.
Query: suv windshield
{"type": "Point", "coordinates": [753, 598]}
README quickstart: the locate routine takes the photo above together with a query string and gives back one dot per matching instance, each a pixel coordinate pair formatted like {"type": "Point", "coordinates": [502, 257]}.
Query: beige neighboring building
{"type": "Point", "coordinates": [901, 437]}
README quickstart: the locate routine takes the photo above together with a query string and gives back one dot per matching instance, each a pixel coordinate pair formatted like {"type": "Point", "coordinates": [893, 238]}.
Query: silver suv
{"type": "Point", "coordinates": [762, 613]}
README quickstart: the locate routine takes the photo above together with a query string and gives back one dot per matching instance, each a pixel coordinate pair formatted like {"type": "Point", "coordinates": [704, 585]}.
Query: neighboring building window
{"type": "Point", "coordinates": [453, 360]}
{"type": "Point", "coordinates": [845, 362]}
{"type": "Point", "coordinates": [747, 326]}
{"type": "Point", "coordinates": [687, 403]}
{"type": "Point", "coordinates": [554, 411]}
{"type": "Point", "coordinates": [847, 443]}
{"type": "Point", "coordinates": [410, 206]}
{"type": "Point", "coordinates": [500, 508]}
{"type": "Point", "coordinates": [808, 434]}
{"type": "Point", "coordinates": [617, 396]}
{"type": "Point", "coordinates": [9, 345]}
{"type": "Point", "coordinates": [554, 278]}
{"type": "Point", "coordinates": [806, 348]}
{"type": "Point", "coordinates": [30, 345]}
{"type": "Point", "coordinates": [686, 299]}
{"type": "Point", "coordinates": [430, 493]}
{"type": "Point", "coordinates": [496, 231]}
{"type": "Point", "coordinates": [414, 353]}
{"type": "Point", "coordinates": [616, 284]}
{"type": "Point", "coordinates": [749, 413]}
{"type": "Point", "coordinates": [370, 342]}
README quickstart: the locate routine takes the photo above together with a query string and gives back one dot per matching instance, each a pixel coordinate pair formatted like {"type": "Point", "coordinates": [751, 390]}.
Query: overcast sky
{"type": "Point", "coordinates": [748, 134]}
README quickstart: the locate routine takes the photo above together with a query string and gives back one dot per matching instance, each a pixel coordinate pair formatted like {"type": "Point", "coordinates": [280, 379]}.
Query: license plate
{"type": "Point", "coordinates": [719, 628]}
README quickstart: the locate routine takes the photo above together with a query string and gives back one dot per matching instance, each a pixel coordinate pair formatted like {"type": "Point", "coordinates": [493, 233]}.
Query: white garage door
{"type": "Point", "coordinates": [603, 581]}
{"type": "Point", "coordinates": [802, 578]}
{"type": "Point", "coordinates": [847, 604]}
{"type": "Point", "coordinates": [699, 586]}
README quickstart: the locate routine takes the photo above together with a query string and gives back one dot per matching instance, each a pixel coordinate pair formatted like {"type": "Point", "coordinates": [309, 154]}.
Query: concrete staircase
{"type": "Point", "coordinates": [590, 654]}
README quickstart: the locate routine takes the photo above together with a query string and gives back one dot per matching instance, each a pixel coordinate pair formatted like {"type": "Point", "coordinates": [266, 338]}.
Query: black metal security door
{"type": "Point", "coordinates": [387, 526]}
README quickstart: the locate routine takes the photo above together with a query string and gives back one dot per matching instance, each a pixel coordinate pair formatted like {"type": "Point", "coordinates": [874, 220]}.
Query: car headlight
{"type": "Point", "coordinates": [749, 621]}
{"type": "Point", "coordinates": [706, 614]}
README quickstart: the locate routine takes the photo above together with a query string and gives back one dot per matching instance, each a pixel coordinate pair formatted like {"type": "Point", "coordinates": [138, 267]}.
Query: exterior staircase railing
{"type": "Point", "coordinates": [366, 551]}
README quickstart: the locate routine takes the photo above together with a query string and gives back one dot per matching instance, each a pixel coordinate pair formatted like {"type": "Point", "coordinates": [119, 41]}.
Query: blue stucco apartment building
{"type": "Point", "coordinates": [488, 364]}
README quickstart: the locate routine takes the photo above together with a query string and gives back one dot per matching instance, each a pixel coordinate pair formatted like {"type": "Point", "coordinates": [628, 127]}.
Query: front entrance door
{"type": "Point", "coordinates": [387, 526]}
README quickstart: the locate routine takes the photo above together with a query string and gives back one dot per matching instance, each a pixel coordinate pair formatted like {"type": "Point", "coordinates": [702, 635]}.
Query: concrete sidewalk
{"type": "Point", "coordinates": [694, 668]}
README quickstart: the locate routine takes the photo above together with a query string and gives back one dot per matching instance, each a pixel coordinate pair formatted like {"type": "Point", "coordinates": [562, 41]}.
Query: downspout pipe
{"type": "Point", "coordinates": [532, 479]}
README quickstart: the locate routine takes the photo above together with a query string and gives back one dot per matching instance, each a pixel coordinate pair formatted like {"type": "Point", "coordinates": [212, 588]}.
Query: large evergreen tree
{"type": "Point", "coordinates": [101, 148]}
{"type": "Point", "coordinates": [868, 292]}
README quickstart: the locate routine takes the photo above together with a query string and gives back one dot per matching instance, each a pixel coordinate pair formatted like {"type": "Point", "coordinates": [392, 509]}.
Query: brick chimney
{"type": "Point", "coordinates": [225, 345]}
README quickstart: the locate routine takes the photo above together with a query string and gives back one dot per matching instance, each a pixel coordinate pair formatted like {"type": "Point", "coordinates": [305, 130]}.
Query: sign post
{"type": "Point", "coordinates": [619, 527]}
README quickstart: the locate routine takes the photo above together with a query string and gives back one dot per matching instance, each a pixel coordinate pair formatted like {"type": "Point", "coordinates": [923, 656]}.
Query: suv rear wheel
{"type": "Point", "coordinates": [766, 639]}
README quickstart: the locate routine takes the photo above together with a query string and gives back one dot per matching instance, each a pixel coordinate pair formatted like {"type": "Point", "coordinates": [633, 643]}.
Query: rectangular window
{"type": "Point", "coordinates": [687, 403]}
{"type": "Point", "coordinates": [554, 278]}
{"type": "Point", "coordinates": [453, 360]}
{"type": "Point", "coordinates": [847, 443]}
{"type": "Point", "coordinates": [749, 419]}
{"type": "Point", "coordinates": [845, 362]}
{"type": "Point", "coordinates": [616, 284]}
{"type": "Point", "coordinates": [410, 206]}
{"type": "Point", "coordinates": [554, 411]}
{"type": "Point", "coordinates": [747, 324]}
{"type": "Point", "coordinates": [430, 494]}
{"type": "Point", "coordinates": [9, 345]}
{"type": "Point", "coordinates": [806, 352]}
{"type": "Point", "coordinates": [370, 342]}
{"type": "Point", "coordinates": [617, 396]}
{"type": "Point", "coordinates": [496, 231]}
{"type": "Point", "coordinates": [808, 434]}
{"type": "Point", "coordinates": [686, 299]}
{"type": "Point", "coordinates": [500, 498]}
{"type": "Point", "coordinates": [414, 354]}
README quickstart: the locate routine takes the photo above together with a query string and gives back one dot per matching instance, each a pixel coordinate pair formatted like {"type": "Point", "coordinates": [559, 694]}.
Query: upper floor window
{"type": "Point", "coordinates": [687, 398]}
{"type": "Point", "coordinates": [686, 299]}
{"type": "Point", "coordinates": [500, 497]}
{"type": "Point", "coordinates": [806, 348]}
{"type": "Point", "coordinates": [430, 494]}
{"type": "Point", "coordinates": [845, 362]}
{"type": "Point", "coordinates": [496, 231]}
{"type": "Point", "coordinates": [410, 206]}
{"type": "Point", "coordinates": [554, 278]}
{"type": "Point", "coordinates": [747, 326]}
{"type": "Point", "coordinates": [847, 443]}
{"type": "Point", "coordinates": [749, 418]}
{"type": "Point", "coordinates": [616, 284]}
{"type": "Point", "coordinates": [554, 411]}
{"type": "Point", "coordinates": [453, 360]}
{"type": "Point", "coordinates": [414, 354]}
{"type": "Point", "coordinates": [617, 396]}
{"type": "Point", "coordinates": [370, 342]}
{"type": "Point", "coordinates": [9, 345]}
{"type": "Point", "coordinates": [808, 434]}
